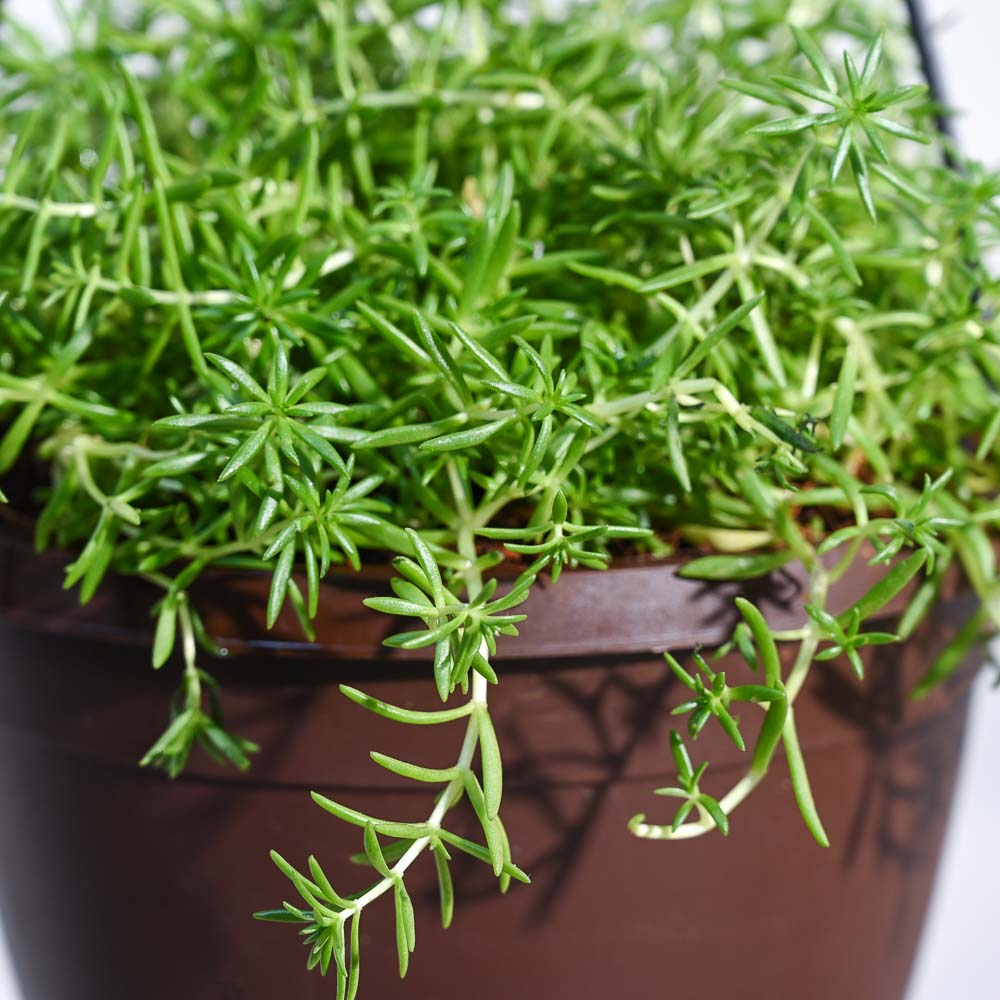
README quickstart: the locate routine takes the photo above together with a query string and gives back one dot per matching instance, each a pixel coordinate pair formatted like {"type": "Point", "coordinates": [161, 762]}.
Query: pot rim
{"type": "Point", "coordinates": [631, 609]}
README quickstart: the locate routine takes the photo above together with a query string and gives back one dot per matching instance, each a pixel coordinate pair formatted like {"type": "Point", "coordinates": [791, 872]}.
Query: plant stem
{"type": "Point", "coordinates": [452, 793]}
{"type": "Point", "coordinates": [446, 800]}
{"type": "Point", "coordinates": [809, 638]}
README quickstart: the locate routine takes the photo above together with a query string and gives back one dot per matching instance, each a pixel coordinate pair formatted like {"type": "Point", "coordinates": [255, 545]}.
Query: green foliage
{"type": "Point", "coordinates": [489, 297]}
{"type": "Point", "coordinates": [190, 723]}
{"type": "Point", "coordinates": [858, 109]}
{"type": "Point", "coordinates": [693, 797]}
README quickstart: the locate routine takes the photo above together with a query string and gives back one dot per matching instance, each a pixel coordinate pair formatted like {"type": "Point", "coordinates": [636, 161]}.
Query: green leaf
{"type": "Point", "coordinates": [482, 854]}
{"type": "Point", "coordinates": [443, 669]}
{"type": "Point", "coordinates": [429, 566]}
{"type": "Point", "coordinates": [682, 760]}
{"type": "Point", "coordinates": [480, 353]}
{"type": "Point", "coordinates": [225, 747]}
{"type": "Point", "coordinates": [762, 92]}
{"type": "Point", "coordinates": [307, 889]}
{"type": "Point", "coordinates": [702, 351]}
{"type": "Point", "coordinates": [395, 606]}
{"type": "Point", "coordinates": [735, 567]}
{"type": "Point", "coordinates": [492, 766]}
{"type": "Point", "coordinates": [355, 818]}
{"type": "Point", "coordinates": [175, 465]}
{"type": "Point", "coordinates": [899, 182]}
{"type": "Point", "coordinates": [317, 443]}
{"type": "Point", "coordinates": [853, 80]}
{"type": "Point", "coordinates": [466, 438]}
{"type": "Point", "coordinates": [17, 434]}
{"type": "Point", "coordinates": [421, 639]}
{"type": "Point", "coordinates": [392, 333]}
{"type": "Point", "coordinates": [815, 56]}
{"type": "Point", "coordinates": [606, 276]}
{"type": "Point", "coordinates": [445, 887]}
{"type": "Point", "coordinates": [885, 590]}
{"type": "Point", "coordinates": [898, 129]}
{"type": "Point", "coordinates": [279, 583]}
{"type": "Point", "coordinates": [319, 877]}
{"type": "Point", "coordinates": [843, 398]}
{"type": "Point", "coordinates": [354, 972]}
{"type": "Point", "coordinates": [125, 511]}
{"type": "Point", "coordinates": [782, 430]}
{"type": "Point", "coordinates": [800, 782]}
{"type": "Point", "coordinates": [392, 851]}
{"type": "Point", "coordinates": [675, 447]}
{"type": "Point", "coordinates": [766, 648]}
{"type": "Point", "coordinates": [280, 917]}
{"type": "Point", "coordinates": [715, 811]}
{"type": "Point", "coordinates": [771, 732]}
{"type": "Point", "coordinates": [514, 389]}
{"type": "Point", "coordinates": [831, 236]}
{"type": "Point", "coordinates": [191, 421]}
{"type": "Point", "coordinates": [166, 629]}
{"type": "Point", "coordinates": [494, 841]}
{"type": "Point", "coordinates": [872, 59]}
{"type": "Point", "coordinates": [898, 94]}
{"type": "Point", "coordinates": [440, 356]}
{"type": "Point", "coordinates": [807, 89]}
{"type": "Point", "coordinates": [240, 376]}
{"type": "Point", "coordinates": [405, 937]}
{"type": "Point", "coordinates": [686, 273]}
{"type": "Point", "coordinates": [864, 184]}
{"type": "Point", "coordinates": [170, 751]}
{"type": "Point", "coordinates": [843, 150]}
{"type": "Point", "coordinates": [412, 771]}
{"type": "Point", "coordinates": [409, 716]}
{"type": "Point", "coordinates": [390, 437]}
{"type": "Point", "coordinates": [797, 123]}
{"type": "Point", "coordinates": [277, 381]}
{"type": "Point", "coordinates": [373, 851]}
{"type": "Point", "coordinates": [247, 451]}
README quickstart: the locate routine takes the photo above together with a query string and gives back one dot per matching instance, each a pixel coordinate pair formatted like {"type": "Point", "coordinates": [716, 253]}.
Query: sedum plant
{"type": "Point", "coordinates": [490, 291]}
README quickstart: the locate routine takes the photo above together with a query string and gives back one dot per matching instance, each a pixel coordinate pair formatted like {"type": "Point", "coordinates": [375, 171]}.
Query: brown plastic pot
{"type": "Point", "coordinates": [120, 884]}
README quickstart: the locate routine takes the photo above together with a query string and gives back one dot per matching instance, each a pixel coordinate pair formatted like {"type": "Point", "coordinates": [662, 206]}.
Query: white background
{"type": "Point", "coordinates": [956, 960]}
{"type": "Point", "coordinates": [957, 957]}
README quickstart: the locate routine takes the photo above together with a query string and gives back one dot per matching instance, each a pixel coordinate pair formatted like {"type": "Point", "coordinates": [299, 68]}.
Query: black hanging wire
{"type": "Point", "coordinates": [931, 71]}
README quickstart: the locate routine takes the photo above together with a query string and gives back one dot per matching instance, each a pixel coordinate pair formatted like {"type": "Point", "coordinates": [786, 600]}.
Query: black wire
{"type": "Point", "coordinates": [931, 71]}
{"type": "Point", "coordinates": [932, 75]}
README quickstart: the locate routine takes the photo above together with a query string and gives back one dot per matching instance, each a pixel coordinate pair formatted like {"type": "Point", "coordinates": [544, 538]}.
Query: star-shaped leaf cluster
{"type": "Point", "coordinates": [856, 109]}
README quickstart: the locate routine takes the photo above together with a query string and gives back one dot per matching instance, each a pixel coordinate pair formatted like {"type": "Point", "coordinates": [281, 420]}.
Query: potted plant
{"type": "Point", "coordinates": [383, 327]}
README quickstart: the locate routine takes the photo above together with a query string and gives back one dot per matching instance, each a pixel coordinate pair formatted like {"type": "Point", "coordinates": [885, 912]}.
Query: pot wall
{"type": "Point", "coordinates": [120, 884]}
